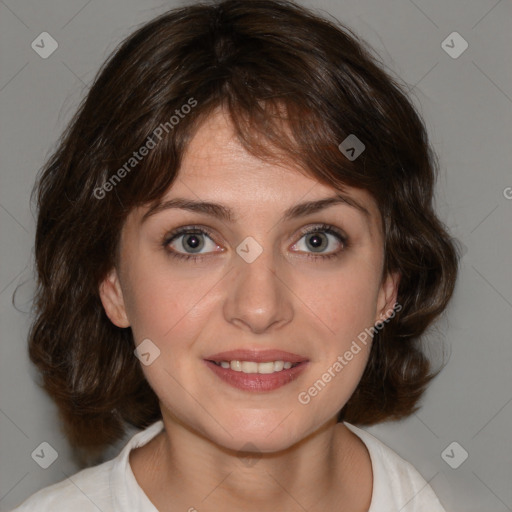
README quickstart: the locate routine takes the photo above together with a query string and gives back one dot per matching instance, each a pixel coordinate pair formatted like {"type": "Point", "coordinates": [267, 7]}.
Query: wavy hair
{"type": "Point", "coordinates": [295, 85]}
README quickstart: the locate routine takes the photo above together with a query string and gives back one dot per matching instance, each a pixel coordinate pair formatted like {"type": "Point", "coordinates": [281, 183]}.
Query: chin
{"type": "Point", "coordinates": [260, 431]}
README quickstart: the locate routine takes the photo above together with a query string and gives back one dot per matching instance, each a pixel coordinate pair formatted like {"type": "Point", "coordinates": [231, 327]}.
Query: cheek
{"type": "Point", "coordinates": [344, 306]}
{"type": "Point", "coordinates": [344, 301]}
{"type": "Point", "coordinates": [164, 304]}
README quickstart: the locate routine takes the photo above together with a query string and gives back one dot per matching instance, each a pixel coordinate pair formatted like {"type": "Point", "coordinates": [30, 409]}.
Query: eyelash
{"type": "Point", "coordinates": [195, 230]}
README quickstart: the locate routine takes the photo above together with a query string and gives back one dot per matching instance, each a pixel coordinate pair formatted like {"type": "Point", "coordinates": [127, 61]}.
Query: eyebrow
{"type": "Point", "coordinates": [224, 213]}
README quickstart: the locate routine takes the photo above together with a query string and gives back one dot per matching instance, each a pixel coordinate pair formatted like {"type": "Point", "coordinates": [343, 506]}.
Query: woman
{"type": "Point", "coordinates": [237, 253]}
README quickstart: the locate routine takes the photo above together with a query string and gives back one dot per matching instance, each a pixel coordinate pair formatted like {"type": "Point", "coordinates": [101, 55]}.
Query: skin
{"type": "Point", "coordinates": [299, 457]}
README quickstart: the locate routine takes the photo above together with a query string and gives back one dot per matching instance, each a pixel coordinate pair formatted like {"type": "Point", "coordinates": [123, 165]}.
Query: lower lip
{"type": "Point", "coordinates": [257, 381]}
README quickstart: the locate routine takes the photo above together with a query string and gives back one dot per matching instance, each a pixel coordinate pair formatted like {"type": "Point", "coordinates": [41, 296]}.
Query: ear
{"type": "Point", "coordinates": [112, 299]}
{"type": "Point", "coordinates": [388, 294]}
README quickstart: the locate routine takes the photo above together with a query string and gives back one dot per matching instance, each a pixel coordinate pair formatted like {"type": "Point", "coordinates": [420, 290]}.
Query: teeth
{"type": "Point", "coordinates": [249, 367]}
{"type": "Point", "coordinates": [278, 366]}
{"type": "Point", "coordinates": [236, 365]}
{"type": "Point", "coordinates": [264, 367]}
{"type": "Point", "coordinates": [254, 367]}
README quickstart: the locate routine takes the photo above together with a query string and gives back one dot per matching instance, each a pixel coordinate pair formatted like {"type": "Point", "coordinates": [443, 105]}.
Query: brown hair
{"type": "Point", "coordinates": [295, 85]}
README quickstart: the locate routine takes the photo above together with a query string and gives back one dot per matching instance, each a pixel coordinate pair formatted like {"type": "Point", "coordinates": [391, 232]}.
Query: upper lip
{"type": "Point", "coordinates": [258, 356]}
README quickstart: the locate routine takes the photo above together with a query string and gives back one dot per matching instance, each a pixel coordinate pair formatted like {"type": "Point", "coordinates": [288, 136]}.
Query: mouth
{"type": "Point", "coordinates": [257, 370]}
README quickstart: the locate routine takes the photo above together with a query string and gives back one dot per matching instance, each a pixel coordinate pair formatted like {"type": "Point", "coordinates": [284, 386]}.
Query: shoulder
{"type": "Point", "coordinates": [397, 484]}
{"type": "Point", "coordinates": [108, 487]}
{"type": "Point", "coordinates": [87, 490]}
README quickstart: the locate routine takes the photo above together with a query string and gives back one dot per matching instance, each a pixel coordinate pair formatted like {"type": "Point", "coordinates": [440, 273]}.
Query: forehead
{"type": "Point", "coordinates": [219, 177]}
{"type": "Point", "coordinates": [216, 163]}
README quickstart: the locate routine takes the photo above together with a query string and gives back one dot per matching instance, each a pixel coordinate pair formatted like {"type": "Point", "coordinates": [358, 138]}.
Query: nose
{"type": "Point", "coordinates": [259, 298]}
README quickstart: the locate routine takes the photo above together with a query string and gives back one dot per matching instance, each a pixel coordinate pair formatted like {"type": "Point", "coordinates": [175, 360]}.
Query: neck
{"type": "Point", "coordinates": [183, 470]}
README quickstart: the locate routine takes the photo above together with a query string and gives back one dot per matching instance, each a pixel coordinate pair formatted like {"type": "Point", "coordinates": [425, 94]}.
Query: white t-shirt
{"type": "Point", "coordinates": [112, 487]}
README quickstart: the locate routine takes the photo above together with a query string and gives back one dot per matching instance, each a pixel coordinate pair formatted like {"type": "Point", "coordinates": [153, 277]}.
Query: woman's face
{"type": "Point", "coordinates": [253, 283]}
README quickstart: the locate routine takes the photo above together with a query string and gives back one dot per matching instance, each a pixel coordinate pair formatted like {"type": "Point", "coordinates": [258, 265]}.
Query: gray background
{"type": "Point", "coordinates": [467, 106]}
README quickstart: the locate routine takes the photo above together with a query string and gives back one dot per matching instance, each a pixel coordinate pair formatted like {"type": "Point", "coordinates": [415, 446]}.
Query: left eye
{"type": "Point", "coordinates": [318, 241]}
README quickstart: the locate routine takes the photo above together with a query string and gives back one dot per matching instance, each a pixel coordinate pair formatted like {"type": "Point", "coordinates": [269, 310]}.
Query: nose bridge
{"type": "Point", "coordinates": [257, 296]}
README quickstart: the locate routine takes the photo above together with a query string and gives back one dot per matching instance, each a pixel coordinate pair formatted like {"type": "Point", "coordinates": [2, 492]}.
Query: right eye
{"type": "Point", "coordinates": [188, 242]}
